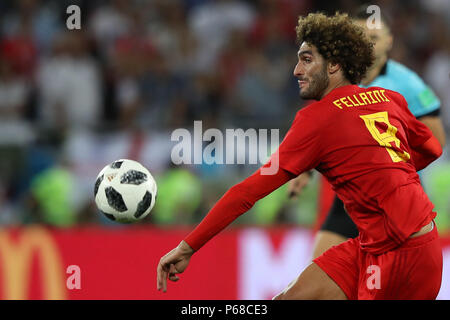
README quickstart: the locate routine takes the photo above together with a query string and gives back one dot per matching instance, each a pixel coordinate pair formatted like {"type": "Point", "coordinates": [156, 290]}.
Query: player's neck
{"type": "Point", "coordinates": [333, 85]}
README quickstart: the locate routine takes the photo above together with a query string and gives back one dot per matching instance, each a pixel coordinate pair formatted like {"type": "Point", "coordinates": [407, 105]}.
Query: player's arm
{"type": "Point", "coordinates": [425, 106]}
{"type": "Point", "coordinates": [424, 154]}
{"type": "Point", "coordinates": [297, 153]}
{"type": "Point", "coordinates": [236, 201]}
{"type": "Point", "coordinates": [296, 186]}
{"type": "Point", "coordinates": [425, 147]}
{"type": "Point", "coordinates": [434, 123]}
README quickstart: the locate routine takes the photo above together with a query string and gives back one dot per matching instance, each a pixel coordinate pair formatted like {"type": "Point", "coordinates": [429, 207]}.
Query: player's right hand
{"type": "Point", "coordinates": [174, 262]}
{"type": "Point", "coordinates": [296, 185]}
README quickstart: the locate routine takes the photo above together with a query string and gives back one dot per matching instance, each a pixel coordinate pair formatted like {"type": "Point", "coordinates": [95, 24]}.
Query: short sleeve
{"type": "Point", "coordinates": [420, 97]}
{"type": "Point", "coordinates": [300, 149]}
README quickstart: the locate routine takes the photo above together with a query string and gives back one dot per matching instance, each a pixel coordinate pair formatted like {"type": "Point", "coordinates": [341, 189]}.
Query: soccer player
{"type": "Point", "coordinates": [369, 146]}
{"type": "Point", "coordinates": [389, 74]}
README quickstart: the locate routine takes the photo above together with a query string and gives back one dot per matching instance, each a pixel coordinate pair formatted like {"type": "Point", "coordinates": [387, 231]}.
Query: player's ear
{"type": "Point", "coordinates": [389, 37]}
{"type": "Point", "coordinates": [390, 41]}
{"type": "Point", "coordinates": [333, 67]}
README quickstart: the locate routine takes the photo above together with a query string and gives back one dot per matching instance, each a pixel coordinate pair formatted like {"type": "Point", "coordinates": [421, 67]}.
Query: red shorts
{"type": "Point", "coordinates": [412, 271]}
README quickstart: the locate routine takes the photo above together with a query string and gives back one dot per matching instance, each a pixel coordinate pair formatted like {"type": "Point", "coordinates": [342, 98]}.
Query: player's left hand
{"type": "Point", "coordinates": [174, 262]}
{"type": "Point", "coordinates": [296, 185]}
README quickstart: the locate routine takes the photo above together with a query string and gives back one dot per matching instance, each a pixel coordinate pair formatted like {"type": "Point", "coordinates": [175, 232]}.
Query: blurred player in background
{"type": "Point", "coordinates": [369, 146]}
{"type": "Point", "coordinates": [422, 102]}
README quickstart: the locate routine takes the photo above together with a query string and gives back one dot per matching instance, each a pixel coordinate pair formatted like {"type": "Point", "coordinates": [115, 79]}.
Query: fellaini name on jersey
{"type": "Point", "coordinates": [361, 99]}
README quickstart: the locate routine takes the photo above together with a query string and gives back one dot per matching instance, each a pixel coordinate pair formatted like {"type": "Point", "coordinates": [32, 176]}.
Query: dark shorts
{"type": "Point", "coordinates": [338, 221]}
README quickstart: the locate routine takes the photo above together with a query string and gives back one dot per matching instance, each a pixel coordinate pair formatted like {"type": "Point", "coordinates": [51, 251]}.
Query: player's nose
{"type": "Point", "coordinates": [298, 71]}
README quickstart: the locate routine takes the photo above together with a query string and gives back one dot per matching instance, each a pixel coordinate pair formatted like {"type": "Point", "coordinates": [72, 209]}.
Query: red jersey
{"type": "Point", "coordinates": [368, 145]}
{"type": "Point", "coordinates": [361, 140]}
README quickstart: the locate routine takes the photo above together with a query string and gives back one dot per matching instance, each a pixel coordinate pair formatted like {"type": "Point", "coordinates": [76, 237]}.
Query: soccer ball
{"type": "Point", "coordinates": [125, 191]}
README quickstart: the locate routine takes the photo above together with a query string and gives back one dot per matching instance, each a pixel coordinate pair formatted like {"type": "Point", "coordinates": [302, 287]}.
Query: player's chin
{"type": "Point", "coordinates": [305, 94]}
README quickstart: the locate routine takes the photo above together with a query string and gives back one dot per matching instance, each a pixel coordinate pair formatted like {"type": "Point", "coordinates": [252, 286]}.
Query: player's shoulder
{"type": "Point", "coordinates": [409, 78]}
{"type": "Point", "coordinates": [310, 109]}
{"type": "Point", "coordinates": [395, 66]}
{"type": "Point", "coordinates": [309, 115]}
{"type": "Point", "coordinates": [420, 97]}
{"type": "Point", "coordinates": [395, 95]}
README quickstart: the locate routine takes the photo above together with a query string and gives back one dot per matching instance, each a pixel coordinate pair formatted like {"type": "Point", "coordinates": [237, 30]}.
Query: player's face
{"type": "Point", "coordinates": [381, 38]}
{"type": "Point", "coordinates": [311, 72]}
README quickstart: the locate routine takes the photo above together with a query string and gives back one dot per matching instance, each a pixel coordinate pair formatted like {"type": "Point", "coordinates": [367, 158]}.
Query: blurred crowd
{"type": "Point", "coordinates": [72, 101]}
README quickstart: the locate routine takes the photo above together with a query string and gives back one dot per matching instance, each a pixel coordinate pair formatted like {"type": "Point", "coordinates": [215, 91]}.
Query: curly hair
{"type": "Point", "coordinates": [339, 41]}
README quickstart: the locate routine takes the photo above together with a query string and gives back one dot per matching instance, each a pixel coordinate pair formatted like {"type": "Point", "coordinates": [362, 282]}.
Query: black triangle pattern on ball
{"type": "Point", "coordinates": [109, 216]}
{"type": "Point", "coordinates": [133, 177]}
{"type": "Point", "coordinates": [143, 205]}
{"type": "Point", "coordinates": [115, 199]}
{"type": "Point", "coordinates": [97, 184]}
{"type": "Point", "coordinates": [116, 164]}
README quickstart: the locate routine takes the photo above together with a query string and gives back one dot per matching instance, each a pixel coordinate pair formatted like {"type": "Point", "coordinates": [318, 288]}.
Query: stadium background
{"type": "Point", "coordinates": [73, 101]}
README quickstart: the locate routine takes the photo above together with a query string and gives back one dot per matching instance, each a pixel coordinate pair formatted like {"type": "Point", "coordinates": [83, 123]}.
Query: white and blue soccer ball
{"type": "Point", "coordinates": [125, 191]}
